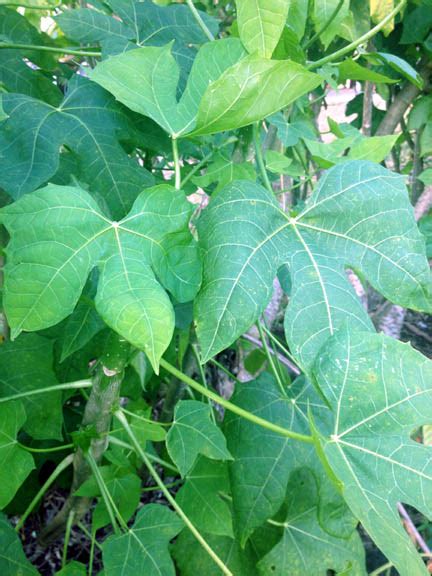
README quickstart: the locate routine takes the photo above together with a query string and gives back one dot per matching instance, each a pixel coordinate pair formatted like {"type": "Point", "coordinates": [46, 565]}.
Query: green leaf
{"type": "Point", "coordinates": [12, 456]}
{"type": "Point", "coordinates": [194, 433]}
{"type": "Point", "coordinates": [223, 171]}
{"type": "Point", "coordinates": [15, 74]}
{"type": "Point", "coordinates": [379, 9]}
{"type": "Point", "coordinates": [200, 497]}
{"type": "Point", "coordinates": [380, 392]}
{"type": "Point", "coordinates": [81, 326]}
{"type": "Point", "coordinates": [125, 490]}
{"type": "Point", "coordinates": [277, 162]}
{"type": "Point", "coordinates": [73, 568]}
{"type": "Point", "coordinates": [322, 12]}
{"type": "Point", "coordinates": [327, 155]}
{"type": "Point", "coordinates": [27, 364]}
{"type": "Point", "coordinates": [50, 257]}
{"type": "Point", "coordinates": [90, 123]}
{"type": "Point", "coordinates": [192, 559]}
{"type": "Point", "coordinates": [305, 547]}
{"type": "Point", "coordinates": [425, 227]}
{"type": "Point", "coordinates": [289, 133]}
{"type": "Point", "coordinates": [401, 66]}
{"type": "Point", "coordinates": [359, 215]}
{"type": "Point", "coordinates": [375, 148]}
{"type": "Point", "coordinates": [146, 81]}
{"type": "Point", "coordinates": [144, 549]}
{"type": "Point", "coordinates": [261, 23]}
{"type": "Point", "coordinates": [13, 561]}
{"type": "Point", "coordinates": [426, 176]}
{"type": "Point", "coordinates": [350, 70]}
{"type": "Point", "coordinates": [266, 86]}
{"type": "Point", "coordinates": [264, 460]}
{"type": "Point", "coordinates": [138, 24]}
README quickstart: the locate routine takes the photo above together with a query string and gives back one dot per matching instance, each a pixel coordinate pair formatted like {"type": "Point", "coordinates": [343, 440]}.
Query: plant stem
{"type": "Point", "coordinates": [88, 534]}
{"type": "Point", "coordinates": [325, 25]}
{"type": "Point", "coordinates": [360, 40]}
{"type": "Point", "coordinates": [282, 359]}
{"type": "Point", "coordinates": [32, 6]}
{"type": "Point", "coordinates": [233, 408]}
{"type": "Point", "coordinates": [204, 380]}
{"type": "Point", "coordinates": [270, 358]}
{"type": "Point", "coordinates": [139, 417]}
{"type": "Point", "coordinates": [259, 156]}
{"type": "Point", "coordinates": [177, 170]}
{"type": "Point", "coordinates": [46, 450]}
{"type": "Point", "coordinates": [164, 463]}
{"type": "Point", "coordinates": [199, 20]}
{"type": "Point", "coordinates": [224, 370]}
{"type": "Point", "coordinates": [389, 565]}
{"type": "Point", "coordinates": [72, 52]}
{"type": "Point", "coordinates": [68, 530]}
{"type": "Point", "coordinates": [123, 421]}
{"type": "Point", "coordinates": [67, 386]}
{"type": "Point", "coordinates": [58, 470]}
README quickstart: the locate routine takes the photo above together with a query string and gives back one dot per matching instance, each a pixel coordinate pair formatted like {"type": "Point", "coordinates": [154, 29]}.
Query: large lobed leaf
{"type": "Point", "coordinates": [225, 90]}
{"type": "Point", "coordinates": [58, 234]}
{"type": "Point", "coordinates": [90, 123]}
{"type": "Point", "coordinates": [358, 216]}
{"type": "Point", "coordinates": [380, 391]}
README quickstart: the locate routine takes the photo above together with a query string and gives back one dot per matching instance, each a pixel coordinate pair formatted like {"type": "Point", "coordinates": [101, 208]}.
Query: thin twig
{"type": "Point", "coordinates": [411, 529]}
{"type": "Point", "coordinates": [11, 45]}
{"type": "Point", "coordinates": [199, 20]}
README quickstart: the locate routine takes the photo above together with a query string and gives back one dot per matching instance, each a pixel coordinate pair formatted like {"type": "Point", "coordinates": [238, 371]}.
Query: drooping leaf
{"type": "Point", "coordinates": [192, 559]}
{"type": "Point", "coordinates": [15, 74]}
{"type": "Point", "coordinates": [350, 70]}
{"type": "Point", "coordinates": [50, 257]}
{"type": "Point", "coordinates": [124, 488]}
{"type": "Point", "coordinates": [261, 23]}
{"type": "Point", "coordinates": [12, 456]}
{"type": "Point", "coordinates": [146, 81]}
{"type": "Point", "coordinates": [90, 123]}
{"type": "Point", "coordinates": [142, 24]}
{"type": "Point", "coordinates": [193, 433]}
{"type": "Point", "coordinates": [380, 391]}
{"type": "Point", "coordinates": [13, 561]}
{"type": "Point", "coordinates": [358, 216]}
{"type": "Point", "coordinates": [375, 148]}
{"type": "Point", "coordinates": [200, 497]}
{"type": "Point", "coordinates": [305, 548]}
{"type": "Point", "coordinates": [144, 549]}
{"type": "Point", "coordinates": [27, 364]}
{"type": "Point", "coordinates": [264, 460]}
{"type": "Point", "coordinates": [323, 12]}
{"type": "Point", "coordinates": [379, 9]}
{"type": "Point", "coordinates": [402, 67]}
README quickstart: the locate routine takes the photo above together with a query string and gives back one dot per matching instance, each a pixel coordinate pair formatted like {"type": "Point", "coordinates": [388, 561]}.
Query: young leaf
{"type": "Point", "coordinates": [260, 24]}
{"type": "Point", "coordinates": [375, 148]}
{"type": "Point", "coordinates": [192, 559]}
{"type": "Point", "coordinates": [44, 278]}
{"type": "Point", "coordinates": [305, 547]}
{"type": "Point", "coordinates": [89, 122]}
{"type": "Point", "coordinates": [193, 433]}
{"type": "Point", "coordinates": [146, 81]}
{"type": "Point", "coordinates": [380, 392]}
{"type": "Point", "coordinates": [13, 458]}
{"type": "Point", "coordinates": [359, 215]}
{"type": "Point", "coordinates": [27, 364]}
{"type": "Point", "coordinates": [223, 171]}
{"type": "Point", "coordinates": [200, 497]}
{"type": "Point", "coordinates": [13, 561]}
{"type": "Point", "coordinates": [144, 549]}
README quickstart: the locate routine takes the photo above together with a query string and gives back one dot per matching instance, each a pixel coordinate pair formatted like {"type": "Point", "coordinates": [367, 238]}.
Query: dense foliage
{"type": "Point", "coordinates": [198, 265]}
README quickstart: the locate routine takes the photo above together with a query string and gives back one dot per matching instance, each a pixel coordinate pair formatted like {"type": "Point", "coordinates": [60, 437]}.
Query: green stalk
{"type": "Point", "coordinates": [45, 450]}
{"type": "Point", "coordinates": [123, 421]}
{"type": "Point", "coordinates": [273, 367]}
{"type": "Point", "coordinates": [68, 386]}
{"type": "Point", "coordinates": [177, 170]}
{"type": "Point", "coordinates": [11, 45]}
{"type": "Point", "coordinates": [32, 6]}
{"type": "Point", "coordinates": [259, 156]}
{"type": "Point", "coordinates": [68, 530]}
{"type": "Point", "coordinates": [58, 470]}
{"type": "Point", "coordinates": [204, 380]}
{"type": "Point", "coordinates": [233, 408]}
{"type": "Point", "coordinates": [199, 20]}
{"type": "Point", "coordinates": [153, 457]}
{"type": "Point", "coordinates": [362, 40]}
